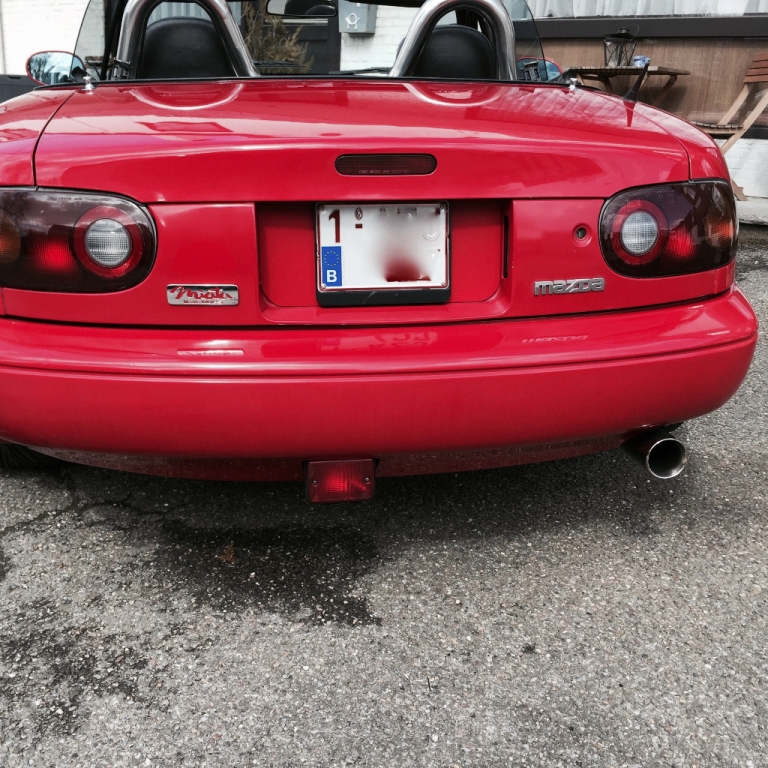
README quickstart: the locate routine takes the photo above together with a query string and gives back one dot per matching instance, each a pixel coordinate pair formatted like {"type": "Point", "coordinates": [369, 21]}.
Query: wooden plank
{"type": "Point", "coordinates": [735, 107]}
{"type": "Point", "coordinates": [756, 79]}
{"type": "Point", "coordinates": [761, 70]}
{"type": "Point", "coordinates": [748, 121]}
{"type": "Point", "coordinates": [731, 127]}
{"type": "Point", "coordinates": [719, 131]}
{"type": "Point", "coordinates": [756, 112]}
{"type": "Point", "coordinates": [761, 57]}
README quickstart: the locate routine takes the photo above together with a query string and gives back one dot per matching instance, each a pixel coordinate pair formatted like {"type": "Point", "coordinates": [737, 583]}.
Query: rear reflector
{"type": "Point", "coordinates": [386, 165]}
{"type": "Point", "coordinates": [329, 481]}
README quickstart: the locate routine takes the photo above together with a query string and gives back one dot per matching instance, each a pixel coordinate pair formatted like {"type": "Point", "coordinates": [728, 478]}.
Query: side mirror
{"type": "Point", "coordinates": [301, 9]}
{"type": "Point", "coordinates": [553, 70]}
{"type": "Point", "coordinates": [543, 70]}
{"type": "Point", "coordinates": [55, 68]}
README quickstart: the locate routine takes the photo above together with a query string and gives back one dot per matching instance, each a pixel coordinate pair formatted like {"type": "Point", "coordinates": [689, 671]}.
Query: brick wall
{"type": "Point", "coordinates": [377, 50]}
{"type": "Point", "coordinates": [37, 25]}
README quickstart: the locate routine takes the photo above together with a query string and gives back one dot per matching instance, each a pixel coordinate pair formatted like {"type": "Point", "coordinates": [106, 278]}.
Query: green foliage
{"type": "Point", "coordinates": [268, 40]}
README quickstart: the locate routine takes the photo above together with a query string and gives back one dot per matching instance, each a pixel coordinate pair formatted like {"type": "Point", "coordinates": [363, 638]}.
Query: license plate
{"type": "Point", "coordinates": [378, 251]}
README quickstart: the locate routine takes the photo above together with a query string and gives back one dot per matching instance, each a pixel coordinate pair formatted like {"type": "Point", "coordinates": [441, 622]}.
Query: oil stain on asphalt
{"type": "Point", "coordinates": [305, 572]}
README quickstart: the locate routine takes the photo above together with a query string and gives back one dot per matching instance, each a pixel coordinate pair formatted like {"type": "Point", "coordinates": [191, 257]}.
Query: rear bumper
{"type": "Point", "coordinates": [276, 397]}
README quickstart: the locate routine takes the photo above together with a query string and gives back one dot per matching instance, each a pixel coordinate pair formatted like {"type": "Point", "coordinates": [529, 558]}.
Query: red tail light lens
{"type": "Point", "coordinates": [671, 229]}
{"type": "Point", "coordinates": [73, 241]}
{"type": "Point", "coordinates": [10, 240]}
{"type": "Point", "coordinates": [329, 481]}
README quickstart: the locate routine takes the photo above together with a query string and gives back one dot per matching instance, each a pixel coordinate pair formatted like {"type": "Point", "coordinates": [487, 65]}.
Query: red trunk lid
{"type": "Point", "coordinates": [277, 140]}
{"type": "Point", "coordinates": [231, 173]}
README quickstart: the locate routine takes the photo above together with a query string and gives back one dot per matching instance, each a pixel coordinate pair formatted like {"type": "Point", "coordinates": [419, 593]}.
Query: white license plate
{"type": "Point", "coordinates": [380, 247]}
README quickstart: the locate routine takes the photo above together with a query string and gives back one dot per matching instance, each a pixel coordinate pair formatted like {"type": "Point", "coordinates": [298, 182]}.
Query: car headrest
{"type": "Point", "coordinates": [456, 51]}
{"type": "Point", "coordinates": [183, 48]}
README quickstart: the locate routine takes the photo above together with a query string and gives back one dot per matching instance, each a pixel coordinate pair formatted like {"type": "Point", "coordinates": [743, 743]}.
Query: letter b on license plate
{"type": "Point", "coordinates": [330, 266]}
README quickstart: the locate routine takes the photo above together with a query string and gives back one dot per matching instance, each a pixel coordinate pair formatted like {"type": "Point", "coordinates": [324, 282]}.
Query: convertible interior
{"type": "Point", "coordinates": [470, 40]}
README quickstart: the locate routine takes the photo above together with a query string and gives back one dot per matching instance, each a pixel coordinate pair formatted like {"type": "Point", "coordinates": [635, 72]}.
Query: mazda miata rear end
{"type": "Point", "coordinates": [224, 256]}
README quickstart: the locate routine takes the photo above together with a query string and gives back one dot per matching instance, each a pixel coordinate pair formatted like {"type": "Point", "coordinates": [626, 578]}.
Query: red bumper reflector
{"type": "Point", "coordinates": [329, 481]}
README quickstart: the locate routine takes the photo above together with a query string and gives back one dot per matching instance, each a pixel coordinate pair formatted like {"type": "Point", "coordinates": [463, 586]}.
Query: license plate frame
{"type": "Point", "coordinates": [419, 274]}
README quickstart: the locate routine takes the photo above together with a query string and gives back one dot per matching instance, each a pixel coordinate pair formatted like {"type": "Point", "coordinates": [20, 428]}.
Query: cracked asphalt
{"type": "Point", "coordinates": [566, 614]}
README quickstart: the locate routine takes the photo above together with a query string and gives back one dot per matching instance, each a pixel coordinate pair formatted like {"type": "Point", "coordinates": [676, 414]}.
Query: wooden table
{"type": "Point", "coordinates": [604, 75]}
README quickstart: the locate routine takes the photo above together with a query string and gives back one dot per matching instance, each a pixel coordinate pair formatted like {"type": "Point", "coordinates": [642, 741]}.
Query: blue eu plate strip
{"type": "Point", "coordinates": [330, 266]}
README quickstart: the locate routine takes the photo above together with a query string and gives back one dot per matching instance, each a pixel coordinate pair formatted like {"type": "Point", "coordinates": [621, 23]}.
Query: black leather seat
{"type": "Point", "coordinates": [455, 51]}
{"type": "Point", "coordinates": [183, 48]}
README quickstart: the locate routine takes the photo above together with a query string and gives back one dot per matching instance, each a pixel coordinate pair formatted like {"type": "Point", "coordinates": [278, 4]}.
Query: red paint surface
{"type": "Point", "coordinates": [278, 140]}
{"type": "Point", "coordinates": [706, 160]}
{"type": "Point", "coordinates": [21, 121]}
{"type": "Point", "coordinates": [364, 393]}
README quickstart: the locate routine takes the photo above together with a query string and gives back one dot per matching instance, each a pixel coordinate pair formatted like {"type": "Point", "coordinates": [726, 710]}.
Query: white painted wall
{"type": "Point", "coordinates": [747, 161]}
{"type": "Point", "coordinates": [29, 26]}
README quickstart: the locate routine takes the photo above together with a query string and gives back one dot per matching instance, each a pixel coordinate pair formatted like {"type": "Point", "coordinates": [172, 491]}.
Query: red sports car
{"type": "Point", "coordinates": [237, 242]}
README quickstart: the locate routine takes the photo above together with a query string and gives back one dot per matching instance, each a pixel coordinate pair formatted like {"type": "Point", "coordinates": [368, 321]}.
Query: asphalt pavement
{"type": "Point", "coordinates": [574, 613]}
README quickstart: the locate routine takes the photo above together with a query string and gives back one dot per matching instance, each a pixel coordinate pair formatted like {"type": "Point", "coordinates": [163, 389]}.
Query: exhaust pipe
{"type": "Point", "coordinates": [659, 452]}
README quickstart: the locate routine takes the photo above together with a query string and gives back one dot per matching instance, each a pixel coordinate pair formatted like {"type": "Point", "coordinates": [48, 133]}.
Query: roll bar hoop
{"type": "Point", "coordinates": [137, 13]}
{"type": "Point", "coordinates": [134, 23]}
{"type": "Point", "coordinates": [494, 13]}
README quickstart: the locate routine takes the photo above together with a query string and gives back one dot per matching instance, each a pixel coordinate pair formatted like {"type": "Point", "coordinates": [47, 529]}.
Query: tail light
{"type": "Point", "coordinates": [674, 229]}
{"type": "Point", "coordinates": [73, 241]}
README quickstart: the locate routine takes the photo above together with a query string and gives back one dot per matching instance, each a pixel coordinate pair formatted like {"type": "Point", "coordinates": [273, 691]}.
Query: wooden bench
{"type": "Point", "coordinates": [757, 73]}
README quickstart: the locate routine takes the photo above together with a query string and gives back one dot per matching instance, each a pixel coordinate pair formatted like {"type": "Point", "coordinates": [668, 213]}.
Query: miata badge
{"type": "Point", "coordinates": [205, 295]}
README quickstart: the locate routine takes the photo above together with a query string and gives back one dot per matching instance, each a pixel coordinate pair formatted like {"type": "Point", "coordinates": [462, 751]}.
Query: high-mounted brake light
{"type": "Point", "coordinates": [73, 241]}
{"type": "Point", "coordinates": [386, 165]}
{"type": "Point", "coordinates": [671, 229]}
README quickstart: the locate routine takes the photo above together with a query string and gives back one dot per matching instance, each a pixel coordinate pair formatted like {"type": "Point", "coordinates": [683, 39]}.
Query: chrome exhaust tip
{"type": "Point", "coordinates": [659, 452]}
